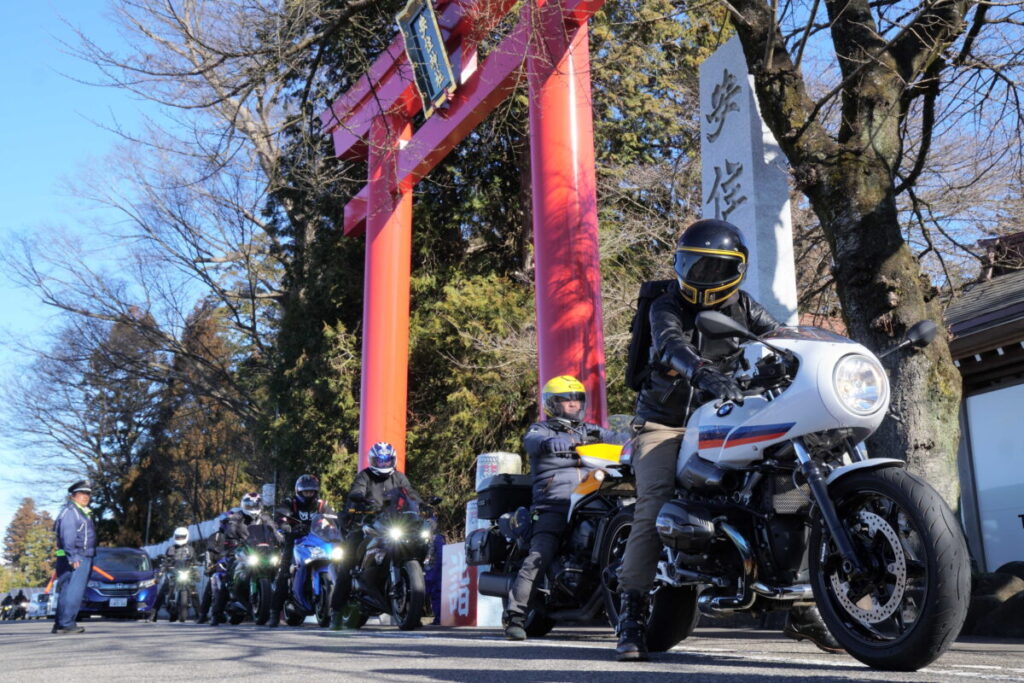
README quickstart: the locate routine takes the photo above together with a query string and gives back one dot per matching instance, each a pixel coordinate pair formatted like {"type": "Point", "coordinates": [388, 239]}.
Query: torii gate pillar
{"type": "Point", "coordinates": [385, 377]}
{"type": "Point", "coordinates": [570, 336]}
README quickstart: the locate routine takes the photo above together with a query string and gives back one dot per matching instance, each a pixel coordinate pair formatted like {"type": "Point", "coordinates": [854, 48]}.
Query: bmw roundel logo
{"type": "Point", "coordinates": [724, 409]}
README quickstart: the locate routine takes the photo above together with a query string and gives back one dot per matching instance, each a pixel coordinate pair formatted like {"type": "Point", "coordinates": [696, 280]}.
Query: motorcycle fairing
{"type": "Point", "coordinates": [738, 437]}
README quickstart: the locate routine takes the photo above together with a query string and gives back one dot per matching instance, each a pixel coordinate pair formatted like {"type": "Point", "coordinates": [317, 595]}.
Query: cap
{"type": "Point", "coordinates": [84, 486]}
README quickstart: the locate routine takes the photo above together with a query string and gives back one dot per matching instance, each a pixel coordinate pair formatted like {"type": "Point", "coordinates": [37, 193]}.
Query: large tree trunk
{"type": "Point", "coordinates": [849, 178]}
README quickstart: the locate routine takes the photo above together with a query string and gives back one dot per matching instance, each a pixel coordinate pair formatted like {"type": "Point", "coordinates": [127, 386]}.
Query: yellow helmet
{"type": "Point", "coordinates": [563, 388]}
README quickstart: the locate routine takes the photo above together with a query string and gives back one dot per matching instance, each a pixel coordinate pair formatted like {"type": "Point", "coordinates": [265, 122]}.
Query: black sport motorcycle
{"type": "Point", "coordinates": [181, 580]}
{"type": "Point", "coordinates": [256, 563]}
{"type": "Point", "coordinates": [777, 502]}
{"type": "Point", "coordinates": [387, 572]}
{"type": "Point", "coordinates": [578, 584]}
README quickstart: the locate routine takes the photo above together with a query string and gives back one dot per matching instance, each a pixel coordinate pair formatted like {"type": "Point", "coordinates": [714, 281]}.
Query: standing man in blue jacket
{"type": "Point", "coordinates": [76, 546]}
{"type": "Point", "coordinates": [556, 471]}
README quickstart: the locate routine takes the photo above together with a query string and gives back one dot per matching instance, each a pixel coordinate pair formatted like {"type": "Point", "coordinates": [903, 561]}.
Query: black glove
{"type": "Point", "coordinates": [562, 446]}
{"type": "Point", "coordinates": [712, 381]}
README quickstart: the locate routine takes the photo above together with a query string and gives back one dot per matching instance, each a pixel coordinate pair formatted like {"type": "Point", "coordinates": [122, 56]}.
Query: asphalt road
{"type": "Point", "coordinates": [115, 651]}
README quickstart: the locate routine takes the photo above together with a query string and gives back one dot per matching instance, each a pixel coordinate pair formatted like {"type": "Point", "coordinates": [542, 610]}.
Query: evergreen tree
{"type": "Point", "coordinates": [26, 517]}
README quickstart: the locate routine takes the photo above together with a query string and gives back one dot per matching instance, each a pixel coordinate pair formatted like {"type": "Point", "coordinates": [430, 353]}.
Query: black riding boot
{"type": "Point", "coordinates": [632, 646]}
{"type": "Point", "coordinates": [804, 622]}
{"type": "Point", "coordinates": [515, 626]}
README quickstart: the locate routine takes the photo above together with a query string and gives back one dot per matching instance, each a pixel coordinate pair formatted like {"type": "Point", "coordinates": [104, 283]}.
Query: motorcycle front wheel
{"type": "Point", "coordinates": [260, 600]}
{"type": "Point", "coordinates": [182, 607]}
{"type": "Point", "coordinates": [323, 602]}
{"type": "Point", "coordinates": [406, 595]}
{"type": "Point", "coordinates": [912, 600]}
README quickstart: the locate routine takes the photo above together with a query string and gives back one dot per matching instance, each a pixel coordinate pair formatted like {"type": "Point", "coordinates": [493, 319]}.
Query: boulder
{"type": "Point", "coordinates": [999, 584]}
{"type": "Point", "coordinates": [1005, 621]}
{"type": "Point", "coordinates": [1015, 568]}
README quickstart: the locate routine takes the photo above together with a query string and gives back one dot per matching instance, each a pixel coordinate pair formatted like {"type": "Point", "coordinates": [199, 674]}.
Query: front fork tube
{"type": "Point", "coordinates": [819, 491]}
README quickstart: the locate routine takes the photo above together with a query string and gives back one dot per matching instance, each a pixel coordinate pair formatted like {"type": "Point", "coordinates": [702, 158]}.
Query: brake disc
{"type": "Point", "coordinates": [868, 609]}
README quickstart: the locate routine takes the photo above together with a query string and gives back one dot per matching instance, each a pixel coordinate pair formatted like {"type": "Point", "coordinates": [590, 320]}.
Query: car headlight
{"type": "Point", "coordinates": [147, 583]}
{"type": "Point", "coordinates": [183, 575]}
{"type": "Point", "coordinates": [252, 560]}
{"type": "Point", "coordinates": [395, 533]}
{"type": "Point", "coordinates": [93, 584]}
{"type": "Point", "coordinates": [860, 384]}
{"type": "Point", "coordinates": [337, 554]}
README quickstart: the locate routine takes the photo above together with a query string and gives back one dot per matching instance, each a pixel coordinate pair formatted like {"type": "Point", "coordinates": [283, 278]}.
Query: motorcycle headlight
{"type": "Point", "coordinates": [425, 534]}
{"type": "Point", "coordinates": [860, 384]}
{"type": "Point", "coordinates": [275, 559]}
{"type": "Point", "coordinates": [337, 554]}
{"type": "Point", "coordinates": [395, 533]}
{"type": "Point", "coordinates": [253, 560]}
{"type": "Point", "coordinates": [183, 575]}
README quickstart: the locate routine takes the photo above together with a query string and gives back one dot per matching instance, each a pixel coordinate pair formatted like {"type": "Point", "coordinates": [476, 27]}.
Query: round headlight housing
{"type": "Point", "coordinates": [337, 554]}
{"type": "Point", "coordinates": [860, 383]}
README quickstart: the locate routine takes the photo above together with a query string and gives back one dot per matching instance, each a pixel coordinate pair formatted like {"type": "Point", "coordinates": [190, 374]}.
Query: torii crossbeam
{"type": "Point", "coordinates": [373, 121]}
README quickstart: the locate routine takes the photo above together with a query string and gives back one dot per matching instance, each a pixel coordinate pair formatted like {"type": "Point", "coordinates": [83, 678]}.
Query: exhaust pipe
{"type": "Point", "coordinates": [744, 596]}
{"type": "Point", "coordinates": [700, 475]}
{"type": "Point", "coordinates": [494, 584]}
{"type": "Point", "coordinates": [800, 591]}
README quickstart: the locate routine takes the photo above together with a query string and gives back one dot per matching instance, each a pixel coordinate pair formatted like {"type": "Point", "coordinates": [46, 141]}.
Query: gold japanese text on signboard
{"type": "Point", "coordinates": [424, 46]}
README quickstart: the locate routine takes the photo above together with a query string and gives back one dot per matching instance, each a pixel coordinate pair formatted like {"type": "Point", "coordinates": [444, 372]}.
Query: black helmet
{"type": "Point", "coordinates": [711, 261]}
{"type": "Point", "coordinates": [307, 491]}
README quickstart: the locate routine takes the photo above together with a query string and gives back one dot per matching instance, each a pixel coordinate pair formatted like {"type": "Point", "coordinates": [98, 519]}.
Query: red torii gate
{"type": "Point", "coordinates": [373, 121]}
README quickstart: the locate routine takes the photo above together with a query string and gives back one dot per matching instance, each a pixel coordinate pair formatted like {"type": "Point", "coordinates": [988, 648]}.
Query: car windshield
{"type": "Point", "coordinates": [121, 560]}
{"type": "Point", "coordinates": [807, 332]}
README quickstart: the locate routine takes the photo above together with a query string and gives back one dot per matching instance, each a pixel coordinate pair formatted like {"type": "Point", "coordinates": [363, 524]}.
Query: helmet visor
{"type": "Point", "coordinates": [308, 494]}
{"type": "Point", "coordinates": [706, 269]}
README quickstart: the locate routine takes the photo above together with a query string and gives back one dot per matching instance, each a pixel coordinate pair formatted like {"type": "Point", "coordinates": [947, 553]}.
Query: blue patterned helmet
{"type": "Point", "coordinates": [382, 457]}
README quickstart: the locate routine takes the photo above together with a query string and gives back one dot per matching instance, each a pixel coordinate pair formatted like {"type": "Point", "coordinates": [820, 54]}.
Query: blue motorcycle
{"type": "Point", "coordinates": [314, 573]}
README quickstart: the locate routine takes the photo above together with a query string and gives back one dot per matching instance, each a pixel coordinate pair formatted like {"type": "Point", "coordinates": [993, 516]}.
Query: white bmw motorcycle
{"type": "Point", "coordinates": [777, 503]}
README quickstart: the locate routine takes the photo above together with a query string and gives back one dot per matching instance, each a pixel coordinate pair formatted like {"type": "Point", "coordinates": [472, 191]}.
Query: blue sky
{"type": "Point", "coordinates": [48, 135]}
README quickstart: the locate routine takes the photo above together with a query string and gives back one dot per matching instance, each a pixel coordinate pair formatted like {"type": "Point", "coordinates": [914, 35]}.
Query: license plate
{"type": "Point", "coordinates": [118, 602]}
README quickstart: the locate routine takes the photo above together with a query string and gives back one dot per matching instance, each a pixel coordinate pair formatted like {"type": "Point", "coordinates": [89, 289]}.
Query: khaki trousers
{"type": "Point", "coordinates": [655, 449]}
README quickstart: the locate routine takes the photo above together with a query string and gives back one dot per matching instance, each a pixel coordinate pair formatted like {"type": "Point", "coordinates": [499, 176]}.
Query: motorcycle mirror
{"type": "Point", "coordinates": [716, 325]}
{"type": "Point", "coordinates": [922, 333]}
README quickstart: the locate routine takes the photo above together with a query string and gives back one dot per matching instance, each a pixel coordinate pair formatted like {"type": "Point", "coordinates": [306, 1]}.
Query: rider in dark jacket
{"type": "Point", "coordinates": [711, 260]}
{"type": "Point", "coordinates": [368, 493]}
{"type": "Point", "coordinates": [293, 519]}
{"type": "Point", "coordinates": [556, 471]}
{"type": "Point", "coordinates": [234, 530]}
{"type": "Point", "coordinates": [179, 551]}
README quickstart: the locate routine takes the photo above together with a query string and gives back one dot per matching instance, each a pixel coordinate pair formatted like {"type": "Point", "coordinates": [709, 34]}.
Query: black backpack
{"type": "Point", "coordinates": [638, 360]}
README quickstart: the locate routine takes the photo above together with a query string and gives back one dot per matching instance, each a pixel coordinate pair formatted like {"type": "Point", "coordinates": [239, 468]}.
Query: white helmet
{"type": "Point", "coordinates": [180, 536]}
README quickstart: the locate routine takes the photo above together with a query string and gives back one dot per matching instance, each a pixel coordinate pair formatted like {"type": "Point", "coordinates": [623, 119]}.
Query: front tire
{"type": "Point", "coordinates": [323, 602]}
{"type": "Point", "coordinates": [912, 602]}
{"type": "Point", "coordinates": [261, 600]}
{"type": "Point", "coordinates": [406, 595]}
{"type": "Point", "coordinates": [182, 606]}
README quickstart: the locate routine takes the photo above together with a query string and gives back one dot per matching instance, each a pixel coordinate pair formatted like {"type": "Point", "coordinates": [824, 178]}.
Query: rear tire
{"type": "Point", "coordinates": [673, 611]}
{"type": "Point", "coordinates": [914, 601]}
{"type": "Point", "coordinates": [407, 597]}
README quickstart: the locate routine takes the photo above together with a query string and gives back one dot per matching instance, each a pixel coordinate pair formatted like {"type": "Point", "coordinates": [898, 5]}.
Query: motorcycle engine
{"type": "Point", "coordinates": [684, 526]}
